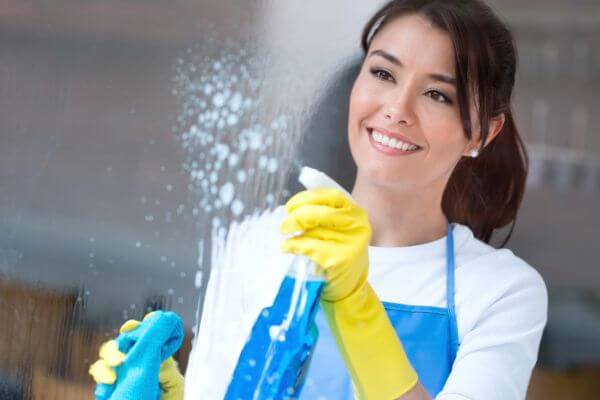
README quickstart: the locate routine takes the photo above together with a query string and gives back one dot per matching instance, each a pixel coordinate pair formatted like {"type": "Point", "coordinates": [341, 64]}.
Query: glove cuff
{"type": "Point", "coordinates": [370, 346]}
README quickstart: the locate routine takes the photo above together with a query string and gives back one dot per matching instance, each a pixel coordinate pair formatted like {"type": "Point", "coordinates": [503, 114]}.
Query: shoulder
{"type": "Point", "coordinates": [486, 265]}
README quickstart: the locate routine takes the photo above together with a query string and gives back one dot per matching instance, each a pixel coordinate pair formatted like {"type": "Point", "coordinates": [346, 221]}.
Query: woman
{"type": "Point", "coordinates": [432, 134]}
{"type": "Point", "coordinates": [440, 166]}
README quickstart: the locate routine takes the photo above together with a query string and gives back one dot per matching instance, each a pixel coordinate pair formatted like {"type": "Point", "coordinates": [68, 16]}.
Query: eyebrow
{"type": "Point", "coordinates": [438, 77]}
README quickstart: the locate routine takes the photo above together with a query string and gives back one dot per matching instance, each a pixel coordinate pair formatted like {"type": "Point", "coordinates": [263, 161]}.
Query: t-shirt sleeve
{"type": "Point", "coordinates": [498, 352]}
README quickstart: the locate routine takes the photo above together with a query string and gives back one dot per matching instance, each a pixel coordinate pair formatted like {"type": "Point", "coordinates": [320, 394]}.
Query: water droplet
{"type": "Point", "coordinates": [262, 161]}
{"type": "Point", "coordinates": [198, 280]}
{"type": "Point", "coordinates": [208, 89]}
{"type": "Point", "coordinates": [232, 119]}
{"type": "Point", "coordinates": [272, 165]}
{"type": "Point", "coordinates": [222, 151]}
{"type": "Point", "coordinates": [237, 207]}
{"type": "Point", "coordinates": [219, 100]}
{"type": "Point", "coordinates": [233, 159]}
{"type": "Point", "coordinates": [254, 138]}
{"type": "Point", "coordinates": [236, 102]}
{"type": "Point", "coordinates": [226, 193]}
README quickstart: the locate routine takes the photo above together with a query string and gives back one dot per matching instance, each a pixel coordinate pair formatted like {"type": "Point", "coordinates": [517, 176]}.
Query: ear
{"type": "Point", "coordinates": [496, 125]}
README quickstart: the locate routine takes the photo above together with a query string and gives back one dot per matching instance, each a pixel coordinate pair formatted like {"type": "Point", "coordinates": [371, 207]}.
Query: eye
{"type": "Point", "coordinates": [439, 97]}
{"type": "Point", "coordinates": [381, 74]}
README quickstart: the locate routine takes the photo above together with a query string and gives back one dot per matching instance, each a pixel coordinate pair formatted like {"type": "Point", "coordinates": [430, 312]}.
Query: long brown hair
{"type": "Point", "coordinates": [483, 193]}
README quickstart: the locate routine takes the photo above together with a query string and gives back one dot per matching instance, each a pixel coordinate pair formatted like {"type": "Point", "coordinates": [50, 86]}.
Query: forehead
{"type": "Point", "coordinates": [417, 44]}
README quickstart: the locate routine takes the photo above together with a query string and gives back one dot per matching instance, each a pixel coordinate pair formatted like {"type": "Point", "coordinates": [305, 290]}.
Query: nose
{"type": "Point", "coordinates": [400, 109]}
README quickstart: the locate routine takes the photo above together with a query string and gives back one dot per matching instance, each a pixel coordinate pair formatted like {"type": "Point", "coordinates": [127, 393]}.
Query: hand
{"type": "Point", "coordinates": [129, 366]}
{"type": "Point", "coordinates": [334, 233]}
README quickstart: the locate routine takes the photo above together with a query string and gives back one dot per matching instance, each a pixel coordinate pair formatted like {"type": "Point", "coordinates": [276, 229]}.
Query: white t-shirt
{"type": "Point", "coordinates": [501, 306]}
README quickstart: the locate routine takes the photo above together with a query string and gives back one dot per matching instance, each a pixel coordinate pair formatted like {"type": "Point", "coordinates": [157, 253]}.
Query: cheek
{"type": "Point", "coordinates": [363, 102]}
{"type": "Point", "coordinates": [445, 133]}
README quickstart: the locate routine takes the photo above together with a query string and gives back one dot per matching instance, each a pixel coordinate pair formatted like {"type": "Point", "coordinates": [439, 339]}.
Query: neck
{"type": "Point", "coordinates": [402, 216]}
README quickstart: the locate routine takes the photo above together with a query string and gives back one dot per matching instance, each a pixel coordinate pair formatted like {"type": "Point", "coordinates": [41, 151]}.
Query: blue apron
{"type": "Point", "coordinates": [429, 336]}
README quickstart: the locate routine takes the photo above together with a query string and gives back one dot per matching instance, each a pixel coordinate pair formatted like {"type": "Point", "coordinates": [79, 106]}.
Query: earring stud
{"type": "Point", "coordinates": [473, 153]}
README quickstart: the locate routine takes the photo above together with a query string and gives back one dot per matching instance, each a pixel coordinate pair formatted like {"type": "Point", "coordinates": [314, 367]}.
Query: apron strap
{"type": "Point", "coordinates": [450, 291]}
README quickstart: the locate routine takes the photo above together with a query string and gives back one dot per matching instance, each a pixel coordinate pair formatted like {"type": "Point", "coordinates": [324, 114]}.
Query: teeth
{"type": "Point", "coordinates": [392, 142]}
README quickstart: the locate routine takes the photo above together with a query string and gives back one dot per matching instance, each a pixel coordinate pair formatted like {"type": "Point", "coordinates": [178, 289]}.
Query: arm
{"type": "Point", "coordinates": [498, 353]}
{"type": "Point", "coordinates": [334, 232]}
{"type": "Point", "coordinates": [416, 393]}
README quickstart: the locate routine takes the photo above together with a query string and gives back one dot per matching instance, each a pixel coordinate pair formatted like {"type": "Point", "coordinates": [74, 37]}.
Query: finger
{"type": "Point", "coordinates": [129, 326]}
{"type": "Point", "coordinates": [326, 235]}
{"type": "Point", "coordinates": [324, 196]}
{"type": "Point", "coordinates": [311, 216]}
{"type": "Point", "coordinates": [149, 315]}
{"type": "Point", "coordinates": [110, 353]}
{"type": "Point", "coordinates": [102, 373]}
{"type": "Point", "coordinates": [312, 248]}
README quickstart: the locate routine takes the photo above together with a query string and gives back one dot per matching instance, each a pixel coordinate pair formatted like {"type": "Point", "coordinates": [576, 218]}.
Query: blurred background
{"type": "Point", "coordinates": [101, 217]}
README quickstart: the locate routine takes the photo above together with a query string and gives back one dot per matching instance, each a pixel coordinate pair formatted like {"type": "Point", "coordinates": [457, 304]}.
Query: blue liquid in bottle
{"type": "Point", "coordinates": [274, 361]}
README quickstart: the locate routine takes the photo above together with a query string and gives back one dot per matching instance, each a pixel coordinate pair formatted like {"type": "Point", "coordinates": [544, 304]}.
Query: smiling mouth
{"type": "Point", "coordinates": [390, 145]}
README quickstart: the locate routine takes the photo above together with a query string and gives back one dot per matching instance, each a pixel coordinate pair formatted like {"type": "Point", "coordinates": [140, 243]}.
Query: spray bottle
{"type": "Point", "coordinates": [276, 357]}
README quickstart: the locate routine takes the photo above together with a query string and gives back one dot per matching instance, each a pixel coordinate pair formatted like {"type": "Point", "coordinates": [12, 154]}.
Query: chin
{"type": "Point", "coordinates": [378, 175]}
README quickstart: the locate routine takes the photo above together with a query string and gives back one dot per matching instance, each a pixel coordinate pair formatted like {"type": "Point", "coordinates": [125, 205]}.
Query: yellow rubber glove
{"type": "Point", "coordinates": [334, 232]}
{"type": "Point", "coordinates": [103, 371]}
{"type": "Point", "coordinates": [171, 381]}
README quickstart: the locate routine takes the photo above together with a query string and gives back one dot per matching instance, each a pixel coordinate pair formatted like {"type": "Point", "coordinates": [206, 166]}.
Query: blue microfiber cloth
{"type": "Point", "coordinates": [146, 347]}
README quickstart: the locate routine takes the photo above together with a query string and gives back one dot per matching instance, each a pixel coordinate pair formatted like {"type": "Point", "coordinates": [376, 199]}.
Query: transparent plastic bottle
{"type": "Point", "coordinates": [276, 357]}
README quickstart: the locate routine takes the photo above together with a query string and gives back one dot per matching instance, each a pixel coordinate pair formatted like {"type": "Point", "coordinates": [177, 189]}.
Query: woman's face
{"type": "Point", "coordinates": [404, 124]}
